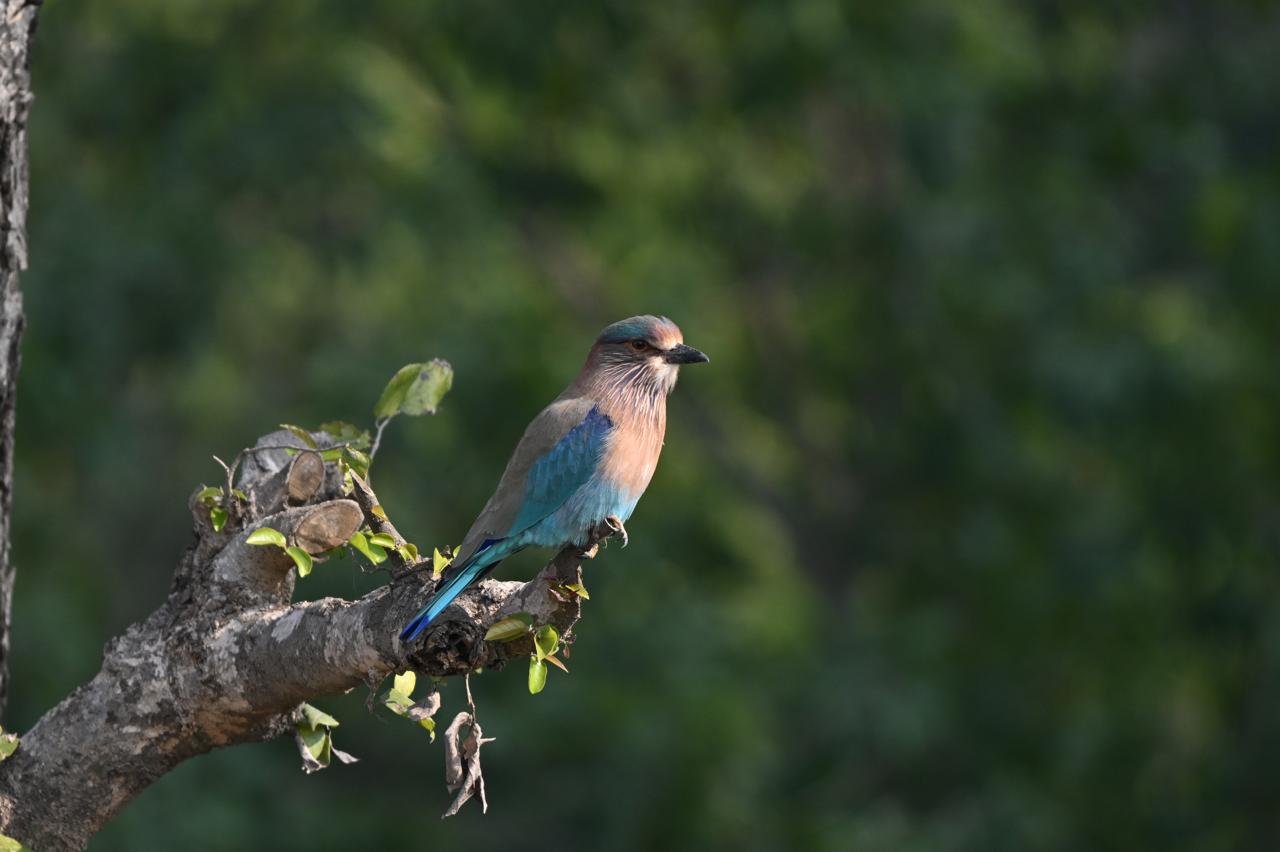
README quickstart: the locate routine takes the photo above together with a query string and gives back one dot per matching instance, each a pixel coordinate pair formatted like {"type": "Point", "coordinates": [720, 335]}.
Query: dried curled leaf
{"type": "Point", "coordinates": [462, 773]}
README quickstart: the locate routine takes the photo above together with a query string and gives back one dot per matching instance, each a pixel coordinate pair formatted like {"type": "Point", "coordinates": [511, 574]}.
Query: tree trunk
{"type": "Point", "coordinates": [16, 30]}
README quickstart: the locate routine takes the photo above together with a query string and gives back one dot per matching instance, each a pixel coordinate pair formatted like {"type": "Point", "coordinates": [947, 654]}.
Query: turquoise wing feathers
{"type": "Point", "coordinates": [559, 473]}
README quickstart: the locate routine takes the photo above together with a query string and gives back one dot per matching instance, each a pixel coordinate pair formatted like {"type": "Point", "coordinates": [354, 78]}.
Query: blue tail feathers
{"type": "Point", "coordinates": [444, 596]}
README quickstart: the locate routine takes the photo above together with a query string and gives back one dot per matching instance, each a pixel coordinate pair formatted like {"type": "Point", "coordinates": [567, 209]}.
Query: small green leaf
{"type": "Point", "coordinates": [358, 461]}
{"type": "Point", "coordinates": [8, 844]}
{"type": "Point", "coordinates": [578, 589]}
{"type": "Point", "coordinates": [383, 540]}
{"type": "Point", "coordinates": [301, 434]}
{"type": "Point", "coordinates": [8, 745]}
{"type": "Point", "coordinates": [415, 389]}
{"type": "Point", "coordinates": [347, 433]}
{"type": "Point", "coordinates": [406, 682]}
{"type": "Point", "coordinates": [300, 558]}
{"type": "Point", "coordinates": [317, 742]}
{"type": "Point", "coordinates": [537, 675]}
{"type": "Point", "coordinates": [425, 393]}
{"type": "Point", "coordinates": [511, 627]}
{"type": "Point", "coordinates": [331, 455]}
{"type": "Point", "coordinates": [218, 517]}
{"type": "Point", "coordinates": [438, 563]}
{"type": "Point", "coordinates": [430, 725]}
{"type": "Point", "coordinates": [408, 551]}
{"type": "Point", "coordinates": [397, 389]}
{"type": "Point", "coordinates": [372, 552]}
{"type": "Point", "coordinates": [379, 512]}
{"type": "Point", "coordinates": [210, 495]}
{"type": "Point", "coordinates": [314, 717]}
{"type": "Point", "coordinates": [266, 535]}
{"type": "Point", "coordinates": [239, 495]}
{"type": "Point", "coordinates": [396, 701]}
{"type": "Point", "coordinates": [546, 641]}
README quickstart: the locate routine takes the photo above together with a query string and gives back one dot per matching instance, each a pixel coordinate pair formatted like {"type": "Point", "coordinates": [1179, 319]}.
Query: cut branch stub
{"type": "Point", "coordinates": [306, 475]}
{"type": "Point", "coordinates": [328, 525]}
{"type": "Point", "coordinates": [248, 574]}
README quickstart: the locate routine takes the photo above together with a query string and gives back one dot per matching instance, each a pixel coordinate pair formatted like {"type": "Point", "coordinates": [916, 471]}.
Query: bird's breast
{"type": "Point", "coordinates": [631, 455]}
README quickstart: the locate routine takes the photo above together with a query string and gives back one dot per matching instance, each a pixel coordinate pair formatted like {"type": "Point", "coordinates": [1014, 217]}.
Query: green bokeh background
{"type": "Point", "coordinates": [966, 538]}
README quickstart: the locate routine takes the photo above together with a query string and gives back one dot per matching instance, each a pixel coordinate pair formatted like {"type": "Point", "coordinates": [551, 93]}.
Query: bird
{"type": "Point", "coordinates": [584, 460]}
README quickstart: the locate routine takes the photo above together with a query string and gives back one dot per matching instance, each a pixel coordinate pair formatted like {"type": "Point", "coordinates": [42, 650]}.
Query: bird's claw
{"type": "Point", "coordinates": [614, 523]}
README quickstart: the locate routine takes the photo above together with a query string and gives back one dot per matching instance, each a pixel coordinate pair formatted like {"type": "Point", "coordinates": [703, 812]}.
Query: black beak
{"type": "Point", "coordinates": [681, 354]}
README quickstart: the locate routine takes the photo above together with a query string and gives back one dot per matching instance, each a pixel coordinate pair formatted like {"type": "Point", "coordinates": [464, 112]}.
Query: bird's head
{"type": "Point", "coordinates": [645, 350]}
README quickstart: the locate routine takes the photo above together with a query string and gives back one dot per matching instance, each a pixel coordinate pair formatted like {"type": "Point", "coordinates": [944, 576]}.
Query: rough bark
{"type": "Point", "coordinates": [227, 659]}
{"type": "Point", "coordinates": [16, 30]}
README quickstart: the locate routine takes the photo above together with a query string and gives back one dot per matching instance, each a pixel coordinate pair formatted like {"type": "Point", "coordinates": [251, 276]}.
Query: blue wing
{"type": "Point", "coordinates": [563, 470]}
{"type": "Point", "coordinates": [551, 481]}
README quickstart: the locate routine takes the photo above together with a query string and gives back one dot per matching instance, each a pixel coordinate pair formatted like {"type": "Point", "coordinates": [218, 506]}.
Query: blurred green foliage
{"type": "Point", "coordinates": [966, 538]}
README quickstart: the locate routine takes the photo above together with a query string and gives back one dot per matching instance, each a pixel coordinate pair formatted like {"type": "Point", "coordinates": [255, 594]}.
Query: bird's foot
{"type": "Point", "coordinates": [614, 523]}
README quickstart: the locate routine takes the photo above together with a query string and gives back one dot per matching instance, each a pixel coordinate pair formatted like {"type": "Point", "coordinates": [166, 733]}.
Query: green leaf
{"type": "Point", "coordinates": [358, 461]}
{"type": "Point", "coordinates": [578, 589]}
{"type": "Point", "coordinates": [383, 540]}
{"type": "Point", "coordinates": [266, 535]}
{"type": "Point", "coordinates": [430, 725]}
{"type": "Point", "coordinates": [8, 745]}
{"type": "Point", "coordinates": [300, 558]}
{"type": "Point", "coordinates": [406, 682]}
{"type": "Point", "coordinates": [8, 844]}
{"type": "Point", "coordinates": [331, 455]}
{"type": "Point", "coordinates": [301, 434]}
{"type": "Point", "coordinates": [396, 701]}
{"type": "Point", "coordinates": [379, 512]}
{"type": "Point", "coordinates": [537, 675]}
{"type": "Point", "coordinates": [546, 641]}
{"type": "Point", "coordinates": [415, 389]}
{"type": "Point", "coordinates": [347, 433]}
{"type": "Point", "coordinates": [408, 551]}
{"type": "Point", "coordinates": [240, 495]}
{"type": "Point", "coordinates": [372, 552]}
{"type": "Point", "coordinates": [210, 495]}
{"type": "Point", "coordinates": [511, 627]}
{"type": "Point", "coordinates": [397, 389]}
{"type": "Point", "coordinates": [430, 387]}
{"type": "Point", "coordinates": [314, 717]}
{"type": "Point", "coordinates": [317, 742]}
{"type": "Point", "coordinates": [218, 517]}
{"type": "Point", "coordinates": [438, 563]}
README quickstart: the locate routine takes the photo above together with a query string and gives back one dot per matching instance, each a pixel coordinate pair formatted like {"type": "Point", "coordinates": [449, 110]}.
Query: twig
{"type": "Point", "coordinates": [381, 424]}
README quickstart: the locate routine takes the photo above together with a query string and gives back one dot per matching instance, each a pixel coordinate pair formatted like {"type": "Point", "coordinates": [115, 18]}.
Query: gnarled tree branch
{"type": "Point", "coordinates": [227, 658]}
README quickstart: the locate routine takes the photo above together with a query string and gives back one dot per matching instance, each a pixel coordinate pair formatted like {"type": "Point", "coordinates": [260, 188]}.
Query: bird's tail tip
{"type": "Point", "coordinates": [415, 627]}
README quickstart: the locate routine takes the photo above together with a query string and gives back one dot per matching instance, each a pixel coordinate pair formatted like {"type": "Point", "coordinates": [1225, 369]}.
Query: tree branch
{"type": "Point", "coordinates": [227, 659]}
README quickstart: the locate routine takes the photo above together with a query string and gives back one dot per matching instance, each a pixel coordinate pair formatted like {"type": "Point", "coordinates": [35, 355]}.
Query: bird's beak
{"type": "Point", "coordinates": [681, 354]}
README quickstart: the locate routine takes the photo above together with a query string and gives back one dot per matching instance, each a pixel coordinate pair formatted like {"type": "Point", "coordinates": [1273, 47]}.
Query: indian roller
{"type": "Point", "coordinates": [583, 461]}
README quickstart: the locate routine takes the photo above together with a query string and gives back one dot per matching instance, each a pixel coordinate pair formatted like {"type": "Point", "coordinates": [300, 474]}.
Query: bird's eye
{"type": "Point", "coordinates": [639, 345]}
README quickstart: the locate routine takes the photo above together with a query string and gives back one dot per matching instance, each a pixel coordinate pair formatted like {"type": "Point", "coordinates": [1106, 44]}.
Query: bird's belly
{"type": "Point", "coordinates": [572, 523]}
